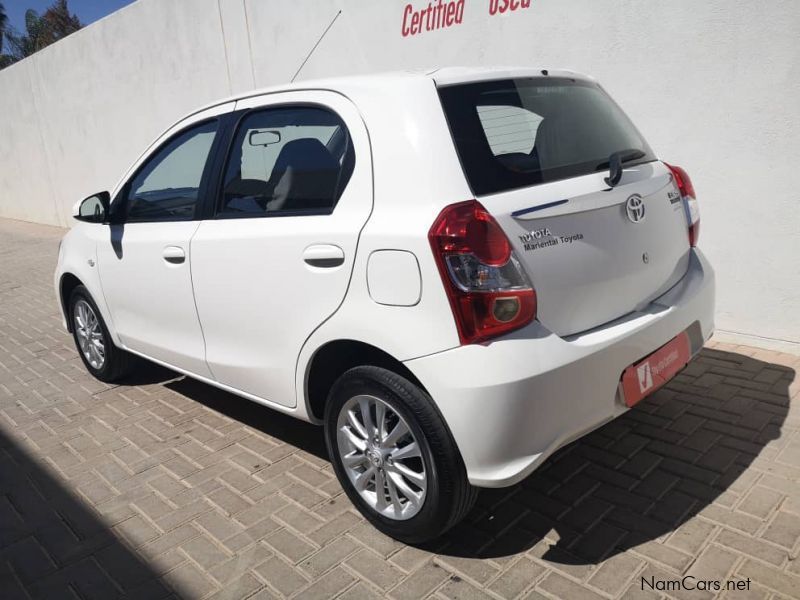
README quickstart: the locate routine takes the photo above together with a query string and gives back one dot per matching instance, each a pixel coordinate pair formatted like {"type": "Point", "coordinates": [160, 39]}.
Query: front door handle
{"type": "Point", "coordinates": [174, 255]}
{"type": "Point", "coordinates": [324, 256]}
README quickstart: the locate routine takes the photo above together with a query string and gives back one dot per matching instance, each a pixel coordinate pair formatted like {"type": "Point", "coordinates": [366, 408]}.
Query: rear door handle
{"type": "Point", "coordinates": [174, 255]}
{"type": "Point", "coordinates": [324, 256]}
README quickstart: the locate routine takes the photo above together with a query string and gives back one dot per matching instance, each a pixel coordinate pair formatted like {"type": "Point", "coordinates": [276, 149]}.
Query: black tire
{"type": "Point", "coordinates": [117, 363]}
{"type": "Point", "coordinates": [449, 496]}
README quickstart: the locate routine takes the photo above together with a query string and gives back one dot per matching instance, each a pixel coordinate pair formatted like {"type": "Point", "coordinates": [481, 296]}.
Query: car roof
{"type": "Point", "coordinates": [440, 76]}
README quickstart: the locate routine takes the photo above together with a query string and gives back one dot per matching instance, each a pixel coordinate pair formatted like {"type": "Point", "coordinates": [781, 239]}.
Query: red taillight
{"type": "Point", "coordinates": [489, 292]}
{"type": "Point", "coordinates": [690, 205]}
{"type": "Point", "coordinates": [683, 181]}
{"type": "Point", "coordinates": [485, 238]}
{"type": "Point", "coordinates": [467, 227]}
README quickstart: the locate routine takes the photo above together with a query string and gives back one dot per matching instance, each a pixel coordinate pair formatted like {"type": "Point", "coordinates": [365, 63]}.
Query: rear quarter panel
{"type": "Point", "coordinates": [416, 174]}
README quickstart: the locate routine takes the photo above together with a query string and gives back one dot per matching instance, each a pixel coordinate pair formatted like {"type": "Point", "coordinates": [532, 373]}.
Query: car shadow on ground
{"type": "Point", "coordinates": [288, 429]}
{"type": "Point", "coordinates": [641, 476]}
{"type": "Point", "coordinates": [149, 373]}
{"type": "Point", "coordinates": [635, 479]}
{"type": "Point", "coordinates": [292, 431]}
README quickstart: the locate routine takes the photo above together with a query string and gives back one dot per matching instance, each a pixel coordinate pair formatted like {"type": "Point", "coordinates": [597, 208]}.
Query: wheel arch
{"type": "Point", "coordinates": [66, 285]}
{"type": "Point", "coordinates": [333, 359]}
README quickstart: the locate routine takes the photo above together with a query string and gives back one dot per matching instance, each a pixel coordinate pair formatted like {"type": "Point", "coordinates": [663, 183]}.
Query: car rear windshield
{"type": "Point", "coordinates": [515, 133]}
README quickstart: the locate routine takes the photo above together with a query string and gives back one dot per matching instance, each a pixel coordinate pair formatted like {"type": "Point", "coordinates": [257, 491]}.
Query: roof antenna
{"type": "Point", "coordinates": [324, 33]}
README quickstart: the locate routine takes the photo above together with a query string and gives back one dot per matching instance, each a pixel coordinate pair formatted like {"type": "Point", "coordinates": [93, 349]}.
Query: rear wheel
{"type": "Point", "coordinates": [97, 351]}
{"type": "Point", "coordinates": [394, 456]}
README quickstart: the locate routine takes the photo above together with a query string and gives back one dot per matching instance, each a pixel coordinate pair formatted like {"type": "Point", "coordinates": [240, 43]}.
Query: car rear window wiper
{"type": "Point", "coordinates": [615, 162]}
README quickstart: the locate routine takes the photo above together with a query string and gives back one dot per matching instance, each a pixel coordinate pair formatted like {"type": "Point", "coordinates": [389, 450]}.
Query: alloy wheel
{"type": "Point", "coordinates": [382, 457]}
{"type": "Point", "coordinates": [89, 334]}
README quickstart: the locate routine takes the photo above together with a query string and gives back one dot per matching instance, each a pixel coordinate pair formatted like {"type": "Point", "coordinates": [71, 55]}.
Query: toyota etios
{"type": "Point", "coordinates": [455, 272]}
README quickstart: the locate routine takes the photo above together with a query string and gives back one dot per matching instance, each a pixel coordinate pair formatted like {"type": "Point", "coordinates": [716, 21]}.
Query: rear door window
{"type": "Point", "coordinates": [516, 133]}
{"type": "Point", "coordinates": [287, 161]}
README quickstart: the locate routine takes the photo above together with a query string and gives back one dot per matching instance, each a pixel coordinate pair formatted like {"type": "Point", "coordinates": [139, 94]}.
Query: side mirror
{"type": "Point", "coordinates": [93, 209]}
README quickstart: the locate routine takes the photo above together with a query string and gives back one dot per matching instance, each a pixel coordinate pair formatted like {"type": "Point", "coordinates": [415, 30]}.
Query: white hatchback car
{"type": "Point", "coordinates": [455, 272]}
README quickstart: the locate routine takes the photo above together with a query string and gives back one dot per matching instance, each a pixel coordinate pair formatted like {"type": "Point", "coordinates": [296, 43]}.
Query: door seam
{"type": "Point", "coordinates": [194, 301]}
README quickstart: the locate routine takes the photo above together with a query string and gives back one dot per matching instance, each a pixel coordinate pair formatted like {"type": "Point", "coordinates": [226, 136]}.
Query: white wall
{"type": "Point", "coordinates": [713, 85]}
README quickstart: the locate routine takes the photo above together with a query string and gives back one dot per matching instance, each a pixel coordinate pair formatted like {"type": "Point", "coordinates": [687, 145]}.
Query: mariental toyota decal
{"type": "Point", "coordinates": [442, 14]}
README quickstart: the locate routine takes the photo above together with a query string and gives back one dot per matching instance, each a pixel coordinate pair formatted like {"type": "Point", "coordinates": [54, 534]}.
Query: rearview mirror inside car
{"type": "Point", "coordinates": [263, 137]}
{"type": "Point", "coordinates": [93, 209]}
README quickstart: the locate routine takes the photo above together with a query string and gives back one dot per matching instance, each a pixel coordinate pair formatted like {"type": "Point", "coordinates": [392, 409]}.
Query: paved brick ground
{"type": "Point", "coordinates": [167, 487]}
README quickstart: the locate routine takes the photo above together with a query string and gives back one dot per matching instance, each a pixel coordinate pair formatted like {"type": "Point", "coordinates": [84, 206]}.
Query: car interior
{"type": "Point", "coordinates": [295, 169]}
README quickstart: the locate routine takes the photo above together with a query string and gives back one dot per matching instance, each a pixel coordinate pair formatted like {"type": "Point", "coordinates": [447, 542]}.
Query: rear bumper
{"type": "Point", "coordinates": [511, 403]}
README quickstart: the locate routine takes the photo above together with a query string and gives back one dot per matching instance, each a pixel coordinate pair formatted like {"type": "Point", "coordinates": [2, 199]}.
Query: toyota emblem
{"type": "Point", "coordinates": [635, 208]}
